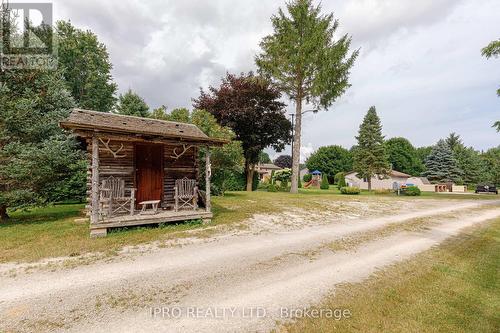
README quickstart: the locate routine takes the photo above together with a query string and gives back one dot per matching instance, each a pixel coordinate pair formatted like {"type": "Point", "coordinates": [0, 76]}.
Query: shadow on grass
{"type": "Point", "coordinates": [40, 215]}
{"type": "Point", "coordinates": [167, 226]}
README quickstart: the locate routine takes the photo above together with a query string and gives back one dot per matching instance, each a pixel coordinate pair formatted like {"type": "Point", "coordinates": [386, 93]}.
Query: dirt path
{"type": "Point", "coordinates": [224, 279]}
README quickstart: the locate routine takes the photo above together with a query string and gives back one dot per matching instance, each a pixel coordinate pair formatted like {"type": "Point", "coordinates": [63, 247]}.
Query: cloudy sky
{"type": "Point", "coordinates": [420, 61]}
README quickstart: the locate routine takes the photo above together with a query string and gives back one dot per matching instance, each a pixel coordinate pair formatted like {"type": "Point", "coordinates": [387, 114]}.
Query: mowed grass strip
{"type": "Point", "coordinates": [51, 231]}
{"type": "Point", "coordinates": [452, 288]}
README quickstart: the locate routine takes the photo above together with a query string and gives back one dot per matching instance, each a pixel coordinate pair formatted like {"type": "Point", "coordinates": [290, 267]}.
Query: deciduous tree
{"type": "Point", "coordinates": [493, 50]}
{"type": "Point", "coordinates": [330, 160]}
{"type": "Point", "coordinates": [284, 161]}
{"type": "Point", "coordinates": [87, 68]}
{"type": "Point", "coordinates": [307, 61]}
{"type": "Point", "coordinates": [227, 161]}
{"type": "Point", "coordinates": [250, 105]}
{"type": "Point", "coordinates": [403, 156]}
{"type": "Point", "coordinates": [264, 157]}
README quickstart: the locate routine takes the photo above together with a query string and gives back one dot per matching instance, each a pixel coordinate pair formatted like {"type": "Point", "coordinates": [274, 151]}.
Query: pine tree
{"type": "Point", "coordinates": [470, 164]}
{"type": "Point", "coordinates": [131, 104]}
{"type": "Point", "coordinates": [441, 164]}
{"type": "Point", "coordinates": [39, 163]}
{"type": "Point", "coordinates": [324, 183]}
{"type": "Point", "coordinates": [308, 62]}
{"type": "Point", "coordinates": [453, 140]}
{"type": "Point", "coordinates": [370, 157]}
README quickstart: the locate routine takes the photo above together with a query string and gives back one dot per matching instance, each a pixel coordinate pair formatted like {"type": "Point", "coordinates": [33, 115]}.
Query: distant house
{"type": "Point", "coordinates": [400, 178]}
{"type": "Point", "coordinates": [386, 183]}
{"type": "Point", "coordinates": [303, 172]}
{"type": "Point", "coordinates": [265, 169]}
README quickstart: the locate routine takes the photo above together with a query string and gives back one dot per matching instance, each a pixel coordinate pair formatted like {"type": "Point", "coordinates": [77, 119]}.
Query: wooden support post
{"type": "Point", "coordinates": [94, 216]}
{"type": "Point", "coordinates": [208, 174]}
{"type": "Point", "coordinates": [132, 201]}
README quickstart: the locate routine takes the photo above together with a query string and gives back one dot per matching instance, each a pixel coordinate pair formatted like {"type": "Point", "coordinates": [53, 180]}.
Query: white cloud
{"type": "Point", "coordinates": [420, 61]}
{"type": "Point", "coordinates": [305, 151]}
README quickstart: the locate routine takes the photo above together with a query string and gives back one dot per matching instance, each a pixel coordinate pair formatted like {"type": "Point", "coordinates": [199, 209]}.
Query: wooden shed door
{"type": "Point", "coordinates": [149, 172]}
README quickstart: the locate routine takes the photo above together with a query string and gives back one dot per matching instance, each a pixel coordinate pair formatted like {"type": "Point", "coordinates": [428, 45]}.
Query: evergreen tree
{"type": "Point", "coordinates": [324, 183]}
{"type": "Point", "coordinates": [370, 157]}
{"type": "Point", "coordinates": [39, 163]}
{"type": "Point", "coordinates": [453, 140]}
{"type": "Point", "coordinates": [131, 104]}
{"type": "Point", "coordinates": [307, 62]}
{"type": "Point", "coordinates": [441, 165]}
{"type": "Point", "coordinates": [470, 164]}
{"type": "Point", "coordinates": [491, 166]}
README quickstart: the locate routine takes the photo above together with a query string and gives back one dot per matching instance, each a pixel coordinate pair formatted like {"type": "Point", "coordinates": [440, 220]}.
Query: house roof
{"type": "Point", "coordinates": [80, 119]}
{"type": "Point", "coordinates": [270, 166]}
{"type": "Point", "coordinates": [392, 173]}
{"type": "Point", "coordinates": [395, 173]}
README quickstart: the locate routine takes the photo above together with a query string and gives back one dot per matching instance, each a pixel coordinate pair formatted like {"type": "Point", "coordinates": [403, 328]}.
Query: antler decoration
{"type": "Point", "coordinates": [108, 148]}
{"type": "Point", "coordinates": [184, 149]}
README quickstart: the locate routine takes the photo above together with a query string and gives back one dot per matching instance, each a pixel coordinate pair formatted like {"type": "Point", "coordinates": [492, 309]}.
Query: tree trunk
{"type": "Point", "coordinates": [296, 146]}
{"type": "Point", "coordinates": [369, 183]}
{"type": "Point", "coordinates": [250, 171]}
{"type": "Point", "coordinates": [3, 213]}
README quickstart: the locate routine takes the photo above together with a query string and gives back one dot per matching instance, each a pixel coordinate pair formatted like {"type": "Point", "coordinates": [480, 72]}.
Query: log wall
{"type": "Point", "coordinates": [124, 167]}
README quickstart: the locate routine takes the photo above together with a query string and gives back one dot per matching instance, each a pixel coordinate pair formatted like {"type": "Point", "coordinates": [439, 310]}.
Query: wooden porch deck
{"type": "Point", "coordinates": [100, 229]}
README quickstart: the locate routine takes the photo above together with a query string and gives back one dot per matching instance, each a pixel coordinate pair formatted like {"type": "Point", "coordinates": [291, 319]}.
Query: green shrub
{"type": "Point", "coordinates": [412, 191]}
{"type": "Point", "coordinates": [338, 176]}
{"type": "Point", "coordinates": [324, 183]}
{"type": "Point", "coordinates": [255, 181]}
{"type": "Point", "coordinates": [283, 176]}
{"type": "Point", "coordinates": [272, 188]}
{"type": "Point", "coordinates": [300, 183]}
{"type": "Point", "coordinates": [350, 190]}
{"type": "Point", "coordinates": [307, 177]}
{"type": "Point", "coordinates": [341, 181]}
{"type": "Point", "coordinates": [263, 185]}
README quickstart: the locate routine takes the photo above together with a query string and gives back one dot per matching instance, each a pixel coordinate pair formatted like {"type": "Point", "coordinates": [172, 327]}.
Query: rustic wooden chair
{"type": "Point", "coordinates": [186, 194]}
{"type": "Point", "coordinates": [113, 199]}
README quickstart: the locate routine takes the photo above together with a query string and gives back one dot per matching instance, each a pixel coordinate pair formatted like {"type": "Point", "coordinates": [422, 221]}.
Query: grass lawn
{"type": "Point", "coordinates": [453, 288]}
{"type": "Point", "coordinates": [51, 231]}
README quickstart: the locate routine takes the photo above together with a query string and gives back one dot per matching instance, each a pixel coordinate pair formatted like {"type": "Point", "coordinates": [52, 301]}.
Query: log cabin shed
{"type": "Point", "coordinates": [142, 170]}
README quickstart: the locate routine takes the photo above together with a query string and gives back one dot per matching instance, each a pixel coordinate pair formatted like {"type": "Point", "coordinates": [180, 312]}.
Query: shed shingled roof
{"type": "Point", "coordinates": [116, 123]}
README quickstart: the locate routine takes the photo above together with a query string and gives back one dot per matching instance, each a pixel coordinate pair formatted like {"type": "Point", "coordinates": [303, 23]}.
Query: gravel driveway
{"type": "Point", "coordinates": [237, 282]}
